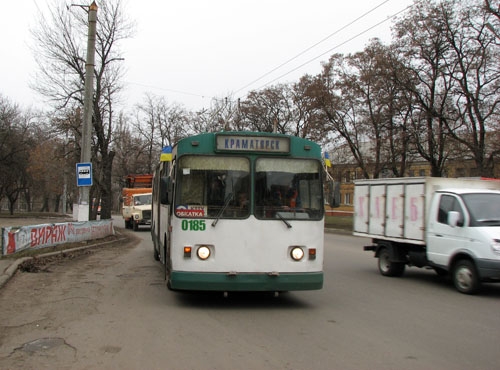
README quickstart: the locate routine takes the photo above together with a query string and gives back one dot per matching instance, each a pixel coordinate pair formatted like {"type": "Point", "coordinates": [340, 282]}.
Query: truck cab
{"type": "Point", "coordinates": [138, 212]}
{"type": "Point", "coordinates": [463, 235]}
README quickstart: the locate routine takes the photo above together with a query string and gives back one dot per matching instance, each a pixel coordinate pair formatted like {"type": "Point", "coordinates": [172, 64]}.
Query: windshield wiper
{"type": "Point", "coordinates": [226, 203]}
{"type": "Point", "coordinates": [283, 219]}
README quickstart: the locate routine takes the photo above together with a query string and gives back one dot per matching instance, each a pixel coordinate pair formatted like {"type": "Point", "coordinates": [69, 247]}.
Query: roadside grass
{"type": "Point", "coordinates": [339, 222]}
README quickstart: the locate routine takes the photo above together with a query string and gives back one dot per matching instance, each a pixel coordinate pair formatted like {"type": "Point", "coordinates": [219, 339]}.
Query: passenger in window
{"type": "Point", "coordinates": [216, 192]}
{"type": "Point", "coordinates": [276, 198]}
{"type": "Point", "coordinates": [292, 197]}
{"type": "Point", "coordinates": [243, 200]}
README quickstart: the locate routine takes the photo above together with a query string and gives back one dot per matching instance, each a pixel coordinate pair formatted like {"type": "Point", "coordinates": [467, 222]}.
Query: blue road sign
{"type": "Point", "coordinates": [84, 174]}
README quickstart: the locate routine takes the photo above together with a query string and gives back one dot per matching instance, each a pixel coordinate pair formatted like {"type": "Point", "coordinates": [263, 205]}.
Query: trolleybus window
{"type": "Point", "coordinates": [209, 185]}
{"type": "Point", "coordinates": [288, 188]}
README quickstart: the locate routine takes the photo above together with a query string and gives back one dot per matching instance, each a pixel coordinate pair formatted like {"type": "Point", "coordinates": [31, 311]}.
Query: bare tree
{"type": "Point", "coordinates": [268, 110]}
{"type": "Point", "coordinates": [60, 40]}
{"type": "Point", "coordinates": [307, 118]}
{"type": "Point", "coordinates": [362, 106]}
{"type": "Point", "coordinates": [473, 64]}
{"type": "Point", "coordinates": [159, 124]}
{"type": "Point", "coordinates": [423, 48]}
{"type": "Point", "coordinates": [16, 140]}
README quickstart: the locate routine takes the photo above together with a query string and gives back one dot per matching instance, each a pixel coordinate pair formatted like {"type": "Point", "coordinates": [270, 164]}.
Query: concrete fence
{"type": "Point", "coordinates": [17, 239]}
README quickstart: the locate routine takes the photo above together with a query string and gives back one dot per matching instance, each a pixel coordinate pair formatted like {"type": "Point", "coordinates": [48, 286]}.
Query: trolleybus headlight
{"type": "Point", "coordinates": [297, 253]}
{"type": "Point", "coordinates": [203, 252]}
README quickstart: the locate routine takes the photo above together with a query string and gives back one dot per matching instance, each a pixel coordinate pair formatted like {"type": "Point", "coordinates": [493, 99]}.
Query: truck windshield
{"type": "Point", "coordinates": [141, 200]}
{"type": "Point", "coordinates": [484, 208]}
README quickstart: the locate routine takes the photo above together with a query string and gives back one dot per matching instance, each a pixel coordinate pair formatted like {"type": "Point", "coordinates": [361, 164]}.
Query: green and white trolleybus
{"type": "Point", "coordinates": [240, 211]}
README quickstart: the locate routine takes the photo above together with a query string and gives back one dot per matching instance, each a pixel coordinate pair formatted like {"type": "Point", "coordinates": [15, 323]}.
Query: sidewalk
{"type": "Point", "coordinates": [8, 267]}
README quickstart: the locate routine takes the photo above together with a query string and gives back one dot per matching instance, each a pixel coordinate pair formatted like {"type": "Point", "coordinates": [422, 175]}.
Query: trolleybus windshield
{"type": "Point", "coordinates": [288, 189]}
{"type": "Point", "coordinates": [207, 185]}
{"type": "Point", "coordinates": [283, 188]}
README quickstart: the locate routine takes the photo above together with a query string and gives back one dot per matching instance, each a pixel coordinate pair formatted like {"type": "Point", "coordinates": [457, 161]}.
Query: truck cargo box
{"type": "Point", "coordinates": [396, 208]}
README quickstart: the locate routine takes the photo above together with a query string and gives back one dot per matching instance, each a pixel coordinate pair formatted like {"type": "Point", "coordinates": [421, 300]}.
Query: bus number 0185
{"type": "Point", "coordinates": [193, 225]}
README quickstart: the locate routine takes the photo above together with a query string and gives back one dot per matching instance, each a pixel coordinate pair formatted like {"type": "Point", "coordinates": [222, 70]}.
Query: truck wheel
{"type": "Point", "coordinates": [465, 277]}
{"type": "Point", "coordinates": [386, 266]}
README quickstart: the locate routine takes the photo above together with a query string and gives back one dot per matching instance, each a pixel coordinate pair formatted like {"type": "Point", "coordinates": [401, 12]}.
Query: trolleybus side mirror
{"type": "Point", "coordinates": [166, 190]}
{"type": "Point", "coordinates": [333, 194]}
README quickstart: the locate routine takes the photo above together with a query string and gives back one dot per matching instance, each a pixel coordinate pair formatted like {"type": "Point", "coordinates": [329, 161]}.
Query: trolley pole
{"type": "Point", "coordinates": [84, 191]}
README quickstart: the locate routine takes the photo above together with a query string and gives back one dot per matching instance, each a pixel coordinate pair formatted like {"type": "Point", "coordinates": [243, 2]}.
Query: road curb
{"type": "Point", "coordinates": [11, 270]}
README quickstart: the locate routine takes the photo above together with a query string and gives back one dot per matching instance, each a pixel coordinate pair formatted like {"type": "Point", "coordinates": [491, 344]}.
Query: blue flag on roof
{"type": "Point", "coordinates": [166, 154]}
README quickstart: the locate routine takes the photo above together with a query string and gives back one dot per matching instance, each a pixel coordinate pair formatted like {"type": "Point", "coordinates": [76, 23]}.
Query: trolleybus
{"type": "Point", "coordinates": [240, 211]}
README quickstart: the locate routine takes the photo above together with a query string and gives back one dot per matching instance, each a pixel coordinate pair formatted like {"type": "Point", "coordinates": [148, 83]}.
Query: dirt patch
{"type": "Point", "coordinates": [42, 264]}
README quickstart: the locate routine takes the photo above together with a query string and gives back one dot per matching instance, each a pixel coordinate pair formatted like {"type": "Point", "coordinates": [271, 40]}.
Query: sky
{"type": "Point", "coordinates": [194, 51]}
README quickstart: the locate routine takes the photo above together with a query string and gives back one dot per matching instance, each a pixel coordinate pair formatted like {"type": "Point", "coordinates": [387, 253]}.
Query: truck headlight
{"type": "Point", "coordinates": [136, 216]}
{"type": "Point", "coordinates": [495, 246]}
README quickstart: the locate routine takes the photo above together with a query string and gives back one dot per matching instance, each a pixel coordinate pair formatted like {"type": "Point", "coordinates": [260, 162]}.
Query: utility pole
{"type": "Point", "coordinates": [88, 103]}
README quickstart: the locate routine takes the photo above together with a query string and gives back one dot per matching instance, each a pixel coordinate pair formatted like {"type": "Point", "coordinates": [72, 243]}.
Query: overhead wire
{"type": "Point", "coordinates": [166, 89]}
{"type": "Point", "coordinates": [312, 46]}
{"type": "Point", "coordinates": [329, 50]}
{"type": "Point", "coordinates": [299, 54]}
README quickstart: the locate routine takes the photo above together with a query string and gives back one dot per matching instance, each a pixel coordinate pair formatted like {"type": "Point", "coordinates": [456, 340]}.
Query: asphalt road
{"type": "Point", "coordinates": [110, 309]}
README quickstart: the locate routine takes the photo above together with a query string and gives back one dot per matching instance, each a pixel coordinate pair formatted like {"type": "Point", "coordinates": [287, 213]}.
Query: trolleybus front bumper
{"type": "Point", "coordinates": [251, 282]}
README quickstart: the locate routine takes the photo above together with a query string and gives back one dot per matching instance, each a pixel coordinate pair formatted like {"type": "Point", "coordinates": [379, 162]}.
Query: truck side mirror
{"type": "Point", "coordinates": [454, 219]}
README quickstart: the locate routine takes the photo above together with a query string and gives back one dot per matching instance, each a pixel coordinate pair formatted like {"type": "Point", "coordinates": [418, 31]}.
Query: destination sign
{"type": "Point", "coordinates": [268, 144]}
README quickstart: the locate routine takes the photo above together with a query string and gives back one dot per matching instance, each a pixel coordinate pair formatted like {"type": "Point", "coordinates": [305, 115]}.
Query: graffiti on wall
{"type": "Point", "coordinates": [16, 239]}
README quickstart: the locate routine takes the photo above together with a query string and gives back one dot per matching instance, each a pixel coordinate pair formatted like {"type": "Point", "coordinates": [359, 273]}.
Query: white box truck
{"type": "Point", "coordinates": [450, 225]}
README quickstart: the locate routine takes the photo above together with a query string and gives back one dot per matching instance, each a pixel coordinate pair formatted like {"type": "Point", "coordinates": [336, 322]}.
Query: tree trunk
{"type": "Point", "coordinates": [106, 194]}
{"type": "Point", "coordinates": [45, 205]}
